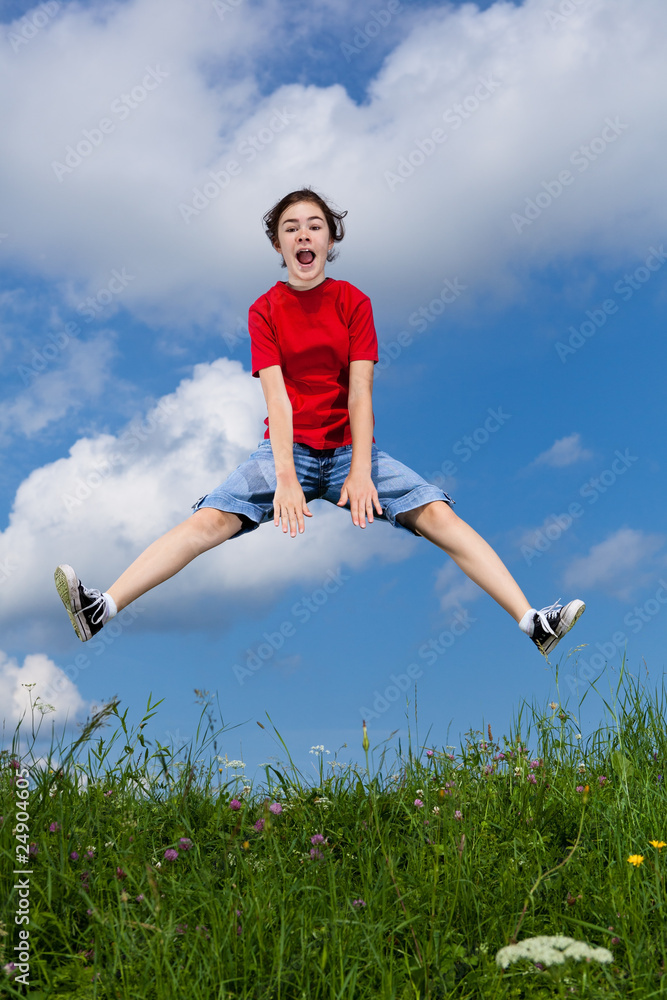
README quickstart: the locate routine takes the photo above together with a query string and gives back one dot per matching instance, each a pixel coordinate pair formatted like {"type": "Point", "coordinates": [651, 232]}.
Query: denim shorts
{"type": "Point", "coordinates": [248, 491]}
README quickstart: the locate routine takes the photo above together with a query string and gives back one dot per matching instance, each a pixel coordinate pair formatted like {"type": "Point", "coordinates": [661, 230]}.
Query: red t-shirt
{"type": "Point", "coordinates": [314, 335]}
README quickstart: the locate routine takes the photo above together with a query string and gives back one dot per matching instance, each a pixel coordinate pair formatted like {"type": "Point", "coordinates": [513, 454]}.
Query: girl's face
{"type": "Point", "coordinates": [304, 241]}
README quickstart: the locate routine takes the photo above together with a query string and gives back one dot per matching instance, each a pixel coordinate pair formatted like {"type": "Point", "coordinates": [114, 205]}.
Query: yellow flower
{"type": "Point", "coordinates": [246, 846]}
{"type": "Point", "coordinates": [636, 859]}
{"type": "Point", "coordinates": [657, 843]}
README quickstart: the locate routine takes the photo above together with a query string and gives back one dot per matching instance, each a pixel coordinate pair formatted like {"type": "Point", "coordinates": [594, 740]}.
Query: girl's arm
{"type": "Point", "coordinates": [359, 487]}
{"type": "Point", "coordinates": [289, 502]}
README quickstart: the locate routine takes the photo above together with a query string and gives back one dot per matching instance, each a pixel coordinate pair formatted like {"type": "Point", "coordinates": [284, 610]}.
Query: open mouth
{"type": "Point", "coordinates": [305, 256]}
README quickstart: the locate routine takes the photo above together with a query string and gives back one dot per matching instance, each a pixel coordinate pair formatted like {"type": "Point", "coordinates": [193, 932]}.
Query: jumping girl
{"type": "Point", "coordinates": [314, 345]}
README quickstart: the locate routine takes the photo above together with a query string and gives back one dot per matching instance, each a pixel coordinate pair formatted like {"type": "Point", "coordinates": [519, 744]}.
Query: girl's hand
{"type": "Point", "coordinates": [289, 505]}
{"type": "Point", "coordinates": [361, 492]}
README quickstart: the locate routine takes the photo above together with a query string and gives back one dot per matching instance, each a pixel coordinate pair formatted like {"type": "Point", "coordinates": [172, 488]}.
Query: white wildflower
{"type": "Point", "coordinates": [419, 791]}
{"type": "Point", "coordinates": [235, 764]}
{"type": "Point", "coordinates": [318, 750]}
{"type": "Point", "coordinates": [551, 951]}
{"type": "Point", "coordinates": [436, 810]}
{"type": "Point", "coordinates": [517, 771]}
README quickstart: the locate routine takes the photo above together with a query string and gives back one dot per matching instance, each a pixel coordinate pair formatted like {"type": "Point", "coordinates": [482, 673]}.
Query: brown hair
{"type": "Point", "coordinates": [334, 220]}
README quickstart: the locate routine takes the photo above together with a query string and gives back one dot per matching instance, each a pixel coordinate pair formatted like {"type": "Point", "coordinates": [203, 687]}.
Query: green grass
{"type": "Point", "coordinates": [397, 901]}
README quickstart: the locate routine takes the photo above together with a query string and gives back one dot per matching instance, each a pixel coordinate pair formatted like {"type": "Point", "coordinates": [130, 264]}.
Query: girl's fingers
{"type": "Point", "coordinates": [291, 518]}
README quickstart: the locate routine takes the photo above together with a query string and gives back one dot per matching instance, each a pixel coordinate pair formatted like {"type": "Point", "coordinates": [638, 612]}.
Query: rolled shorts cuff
{"type": "Point", "coordinates": [415, 498]}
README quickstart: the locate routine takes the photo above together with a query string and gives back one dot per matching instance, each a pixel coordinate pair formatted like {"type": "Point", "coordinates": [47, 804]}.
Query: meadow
{"type": "Point", "coordinates": [159, 874]}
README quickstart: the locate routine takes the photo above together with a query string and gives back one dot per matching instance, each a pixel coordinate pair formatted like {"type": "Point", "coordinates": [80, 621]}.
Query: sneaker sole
{"type": "Point", "coordinates": [67, 585]}
{"type": "Point", "coordinates": [572, 612]}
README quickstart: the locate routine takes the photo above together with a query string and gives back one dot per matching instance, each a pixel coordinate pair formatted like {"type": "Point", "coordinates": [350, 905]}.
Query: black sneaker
{"type": "Point", "coordinates": [552, 623]}
{"type": "Point", "coordinates": [86, 608]}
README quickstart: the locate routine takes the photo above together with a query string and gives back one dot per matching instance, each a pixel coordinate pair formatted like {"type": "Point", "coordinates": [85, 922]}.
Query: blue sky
{"type": "Point", "coordinates": [501, 168]}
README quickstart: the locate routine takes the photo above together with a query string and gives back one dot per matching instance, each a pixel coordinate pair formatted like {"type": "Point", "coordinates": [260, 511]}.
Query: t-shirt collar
{"type": "Point", "coordinates": [303, 291]}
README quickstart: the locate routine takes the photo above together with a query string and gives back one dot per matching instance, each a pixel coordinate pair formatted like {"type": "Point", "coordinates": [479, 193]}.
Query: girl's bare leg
{"type": "Point", "coordinates": [205, 529]}
{"type": "Point", "coordinates": [438, 522]}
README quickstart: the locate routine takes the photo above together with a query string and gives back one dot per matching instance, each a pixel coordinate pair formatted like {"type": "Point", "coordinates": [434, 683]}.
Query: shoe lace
{"type": "Point", "coordinates": [97, 606]}
{"type": "Point", "coordinates": [549, 612]}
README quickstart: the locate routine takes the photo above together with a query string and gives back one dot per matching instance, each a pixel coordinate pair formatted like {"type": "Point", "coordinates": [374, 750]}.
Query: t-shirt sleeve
{"type": "Point", "coordinates": [363, 338]}
{"type": "Point", "coordinates": [264, 349]}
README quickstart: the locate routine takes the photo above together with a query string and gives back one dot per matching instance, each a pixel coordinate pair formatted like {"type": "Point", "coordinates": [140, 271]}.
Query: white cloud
{"type": "Point", "coordinates": [38, 681]}
{"type": "Point", "coordinates": [100, 506]}
{"type": "Point", "coordinates": [458, 589]}
{"type": "Point", "coordinates": [620, 565]}
{"type": "Point", "coordinates": [549, 91]}
{"type": "Point", "coordinates": [565, 451]}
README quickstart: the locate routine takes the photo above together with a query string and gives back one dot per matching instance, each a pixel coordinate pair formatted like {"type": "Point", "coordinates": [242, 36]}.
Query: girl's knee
{"type": "Point", "coordinates": [214, 525]}
{"type": "Point", "coordinates": [434, 509]}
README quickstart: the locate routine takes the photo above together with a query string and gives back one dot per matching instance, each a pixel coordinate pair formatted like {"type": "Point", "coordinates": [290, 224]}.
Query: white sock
{"type": "Point", "coordinates": [111, 610]}
{"type": "Point", "coordinates": [527, 622]}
